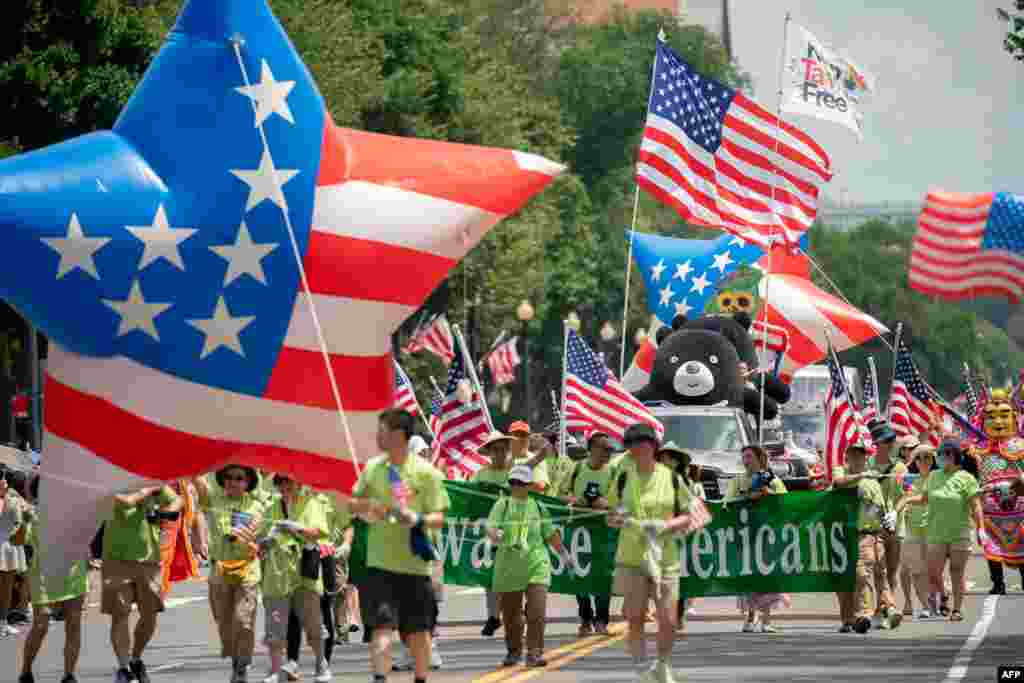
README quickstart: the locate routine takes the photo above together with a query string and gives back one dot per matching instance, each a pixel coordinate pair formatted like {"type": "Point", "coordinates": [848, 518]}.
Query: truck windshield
{"type": "Point", "coordinates": [808, 430]}
{"type": "Point", "coordinates": [704, 432]}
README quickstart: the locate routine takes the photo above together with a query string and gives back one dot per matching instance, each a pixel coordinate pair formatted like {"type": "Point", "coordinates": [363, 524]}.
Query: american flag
{"type": "Point", "coordinates": [436, 405]}
{"type": "Point", "coordinates": [434, 336]}
{"type": "Point", "coordinates": [158, 258]}
{"type": "Point", "coordinates": [503, 362]}
{"type": "Point", "coordinates": [970, 396]}
{"type": "Point", "coordinates": [462, 425]}
{"type": "Point", "coordinates": [400, 491]}
{"type": "Point", "coordinates": [870, 411]}
{"type": "Point", "coordinates": [594, 399]}
{"type": "Point", "coordinates": [844, 425]}
{"type": "Point", "coordinates": [910, 405]}
{"type": "Point", "coordinates": [969, 246]}
{"type": "Point", "coordinates": [405, 396]}
{"type": "Point", "coordinates": [722, 160]}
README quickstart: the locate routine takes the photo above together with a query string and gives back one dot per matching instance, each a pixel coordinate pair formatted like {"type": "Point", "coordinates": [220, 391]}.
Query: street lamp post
{"type": "Point", "coordinates": [525, 314]}
{"type": "Point", "coordinates": [573, 319]}
{"type": "Point", "coordinates": [608, 335]}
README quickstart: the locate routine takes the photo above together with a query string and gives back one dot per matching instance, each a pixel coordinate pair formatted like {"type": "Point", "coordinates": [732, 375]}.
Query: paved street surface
{"type": "Point", "coordinates": [809, 649]}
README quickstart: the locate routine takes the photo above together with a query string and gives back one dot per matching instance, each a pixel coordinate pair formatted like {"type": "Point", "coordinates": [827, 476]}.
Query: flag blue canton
{"type": "Point", "coordinates": [694, 103]}
{"type": "Point", "coordinates": [869, 391]}
{"type": "Point", "coordinates": [436, 404]}
{"type": "Point", "coordinates": [838, 385]}
{"type": "Point", "coordinates": [1005, 227]}
{"type": "Point", "coordinates": [584, 363]}
{"type": "Point", "coordinates": [457, 370]}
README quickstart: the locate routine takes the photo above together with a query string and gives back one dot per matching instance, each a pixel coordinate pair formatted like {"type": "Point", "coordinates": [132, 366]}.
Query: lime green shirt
{"type": "Point", "coordinates": [872, 502]}
{"type": "Point", "coordinates": [541, 472]}
{"type": "Point", "coordinates": [587, 478]}
{"type": "Point", "coordinates": [522, 557]}
{"type": "Point", "coordinates": [281, 560]}
{"type": "Point", "coordinates": [647, 497]}
{"type": "Point", "coordinates": [559, 468]}
{"type": "Point", "coordinates": [220, 508]}
{"type": "Point", "coordinates": [740, 486]}
{"type": "Point", "coordinates": [129, 536]}
{"type": "Point", "coordinates": [339, 517]}
{"type": "Point", "coordinates": [388, 542]}
{"type": "Point", "coordinates": [949, 511]}
{"type": "Point", "coordinates": [916, 516]}
{"type": "Point", "coordinates": [892, 489]}
{"type": "Point", "coordinates": [54, 590]}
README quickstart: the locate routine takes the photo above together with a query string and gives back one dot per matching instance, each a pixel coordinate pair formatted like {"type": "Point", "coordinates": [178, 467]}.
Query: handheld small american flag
{"type": "Point", "coordinates": [462, 426]}
{"type": "Point", "coordinates": [594, 399]}
{"type": "Point", "coordinates": [722, 160]}
{"type": "Point", "coordinates": [503, 362]}
{"type": "Point", "coordinates": [969, 245]}
{"type": "Point", "coordinates": [910, 406]}
{"type": "Point", "coordinates": [405, 398]}
{"type": "Point", "coordinates": [870, 398]}
{"type": "Point", "coordinates": [843, 424]}
{"type": "Point", "coordinates": [399, 489]}
{"type": "Point", "coordinates": [436, 404]}
{"type": "Point", "coordinates": [436, 337]}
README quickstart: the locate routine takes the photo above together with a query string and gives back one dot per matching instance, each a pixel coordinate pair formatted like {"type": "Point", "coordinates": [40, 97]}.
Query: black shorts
{"type": "Point", "coordinates": [403, 601]}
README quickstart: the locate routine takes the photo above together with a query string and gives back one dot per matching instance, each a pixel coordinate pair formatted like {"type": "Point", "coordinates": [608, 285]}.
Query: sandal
{"type": "Point", "coordinates": [956, 616]}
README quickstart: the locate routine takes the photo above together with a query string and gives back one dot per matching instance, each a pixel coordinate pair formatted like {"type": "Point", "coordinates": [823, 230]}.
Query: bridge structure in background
{"type": "Point", "coordinates": [849, 215]}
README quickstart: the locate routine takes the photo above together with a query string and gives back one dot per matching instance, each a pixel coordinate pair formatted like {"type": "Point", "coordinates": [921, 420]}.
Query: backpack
{"type": "Point", "coordinates": [620, 484]}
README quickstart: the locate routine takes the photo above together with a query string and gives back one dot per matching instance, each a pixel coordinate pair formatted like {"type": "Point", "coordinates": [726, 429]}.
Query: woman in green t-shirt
{"type": "Point", "coordinates": [952, 500]}
{"type": "Point", "coordinates": [915, 546]}
{"type": "Point", "coordinates": [522, 529]}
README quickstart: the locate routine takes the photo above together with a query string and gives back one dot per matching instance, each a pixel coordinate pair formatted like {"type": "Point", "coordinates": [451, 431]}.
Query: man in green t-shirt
{"type": "Point", "coordinates": [889, 464]}
{"type": "Point", "coordinates": [496, 448]}
{"type": "Point", "coordinates": [856, 609]}
{"type": "Point", "coordinates": [132, 573]}
{"type": "Point", "coordinates": [586, 486]}
{"type": "Point", "coordinates": [403, 497]}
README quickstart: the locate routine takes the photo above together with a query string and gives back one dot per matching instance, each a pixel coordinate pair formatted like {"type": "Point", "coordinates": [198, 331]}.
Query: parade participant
{"type": "Point", "coordinates": [890, 470]}
{"type": "Point", "coordinates": [649, 504]}
{"type": "Point", "coordinates": [67, 594]}
{"type": "Point", "coordinates": [12, 552]}
{"type": "Point", "coordinates": [1000, 465]}
{"type": "Point", "coordinates": [905, 446]}
{"type": "Point", "coordinates": [754, 483]}
{"type": "Point", "coordinates": [915, 546]}
{"type": "Point", "coordinates": [496, 448]}
{"type": "Point", "coordinates": [559, 465]}
{"type": "Point", "coordinates": [521, 454]}
{"type": "Point", "coordinates": [855, 609]}
{"type": "Point", "coordinates": [401, 496]}
{"type": "Point", "coordinates": [132, 574]}
{"type": "Point", "coordinates": [176, 554]}
{"type": "Point", "coordinates": [235, 505]}
{"type": "Point", "coordinates": [294, 525]}
{"type": "Point", "coordinates": [587, 487]}
{"type": "Point", "coordinates": [952, 497]}
{"type": "Point", "coordinates": [520, 528]}
{"type": "Point", "coordinates": [340, 525]}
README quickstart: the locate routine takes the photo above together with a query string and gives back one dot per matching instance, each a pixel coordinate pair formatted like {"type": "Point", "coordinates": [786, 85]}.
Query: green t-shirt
{"type": "Point", "coordinates": [54, 590]}
{"type": "Point", "coordinates": [892, 488]}
{"type": "Point", "coordinates": [916, 516]}
{"type": "Point", "coordinates": [282, 558]}
{"type": "Point", "coordinates": [220, 509]}
{"type": "Point", "coordinates": [339, 517]}
{"type": "Point", "coordinates": [541, 473]}
{"type": "Point", "coordinates": [559, 468]}
{"type": "Point", "coordinates": [587, 478]}
{"type": "Point", "coordinates": [129, 536]}
{"type": "Point", "coordinates": [949, 512]}
{"type": "Point", "coordinates": [872, 502]}
{"type": "Point", "coordinates": [388, 542]}
{"type": "Point", "coordinates": [740, 486]}
{"type": "Point", "coordinates": [522, 557]}
{"type": "Point", "coordinates": [647, 497]}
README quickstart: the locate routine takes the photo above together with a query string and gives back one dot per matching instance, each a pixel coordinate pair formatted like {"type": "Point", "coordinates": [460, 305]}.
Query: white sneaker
{"type": "Point", "coordinates": [406, 663]}
{"type": "Point", "coordinates": [749, 627]}
{"type": "Point", "coordinates": [924, 614]}
{"type": "Point", "coordinates": [435, 658]}
{"type": "Point", "coordinates": [279, 677]}
{"type": "Point", "coordinates": [291, 670]}
{"type": "Point", "coordinates": [8, 631]}
{"type": "Point", "coordinates": [662, 672]}
{"type": "Point", "coordinates": [323, 672]}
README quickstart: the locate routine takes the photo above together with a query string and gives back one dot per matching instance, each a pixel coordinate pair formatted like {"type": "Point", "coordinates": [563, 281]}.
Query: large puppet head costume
{"type": "Point", "coordinates": [1000, 419]}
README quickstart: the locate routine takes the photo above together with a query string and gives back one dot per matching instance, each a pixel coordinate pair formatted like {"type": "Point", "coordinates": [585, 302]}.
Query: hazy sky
{"type": "Point", "coordinates": [949, 106]}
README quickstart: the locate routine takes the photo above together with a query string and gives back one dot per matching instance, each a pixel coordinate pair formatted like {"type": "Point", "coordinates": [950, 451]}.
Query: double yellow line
{"type": "Point", "coordinates": [557, 658]}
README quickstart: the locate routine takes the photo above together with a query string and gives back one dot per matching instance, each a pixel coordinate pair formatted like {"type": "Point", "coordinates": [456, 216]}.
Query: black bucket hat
{"type": "Point", "coordinates": [250, 473]}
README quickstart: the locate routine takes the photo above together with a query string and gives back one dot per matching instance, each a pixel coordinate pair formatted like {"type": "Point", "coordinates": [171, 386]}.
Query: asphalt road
{"type": "Point", "coordinates": [713, 649]}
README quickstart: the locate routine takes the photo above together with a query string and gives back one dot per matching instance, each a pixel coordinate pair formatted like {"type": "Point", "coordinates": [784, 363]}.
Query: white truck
{"type": "Point", "coordinates": [803, 417]}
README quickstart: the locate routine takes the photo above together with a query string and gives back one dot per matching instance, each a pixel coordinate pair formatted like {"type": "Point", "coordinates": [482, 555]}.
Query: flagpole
{"type": "Point", "coordinates": [632, 225]}
{"type": "Point", "coordinates": [874, 383]}
{"type": "Point", "coordinates": [472, 374]}
{"type": "Point", "coordinates": [412, 390]}
{"type": "Point", "coordinates": [895, 356]}
{"type": "Point", "coordinates": [562, 446]}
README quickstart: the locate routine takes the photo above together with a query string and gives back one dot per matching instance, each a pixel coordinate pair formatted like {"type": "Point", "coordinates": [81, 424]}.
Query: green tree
{"type": "Point", "coordinates": [1014, 40]}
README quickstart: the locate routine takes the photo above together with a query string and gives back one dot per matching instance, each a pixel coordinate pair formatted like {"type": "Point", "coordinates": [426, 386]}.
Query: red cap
{"type": "Point", "coordinates": [519, 427]}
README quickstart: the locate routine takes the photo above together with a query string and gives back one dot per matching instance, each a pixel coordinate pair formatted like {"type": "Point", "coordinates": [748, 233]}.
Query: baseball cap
{"type": "Point", "coordinates": [518, 427]}
{"type": "Point", "coordinates": [637, 433]}
{"type": "Point", "coordinates": [521, 473]}
{"type": "Point", "coordinates": [881, 432]}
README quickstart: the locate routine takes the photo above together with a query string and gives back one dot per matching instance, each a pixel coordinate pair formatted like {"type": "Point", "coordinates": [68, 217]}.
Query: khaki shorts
{"type": "Point", "coordinates": [125, 583]}
{"type": "Point", "coordinates": [915, 556]}
{"type": "Point", "coordinates": [637, 590]}
{"type": "Point", "coordinates": [947, 549]}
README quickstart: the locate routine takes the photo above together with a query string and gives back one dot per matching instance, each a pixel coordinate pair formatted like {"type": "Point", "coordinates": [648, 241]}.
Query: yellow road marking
{"type": "Point", "coordinates": [557, 658]}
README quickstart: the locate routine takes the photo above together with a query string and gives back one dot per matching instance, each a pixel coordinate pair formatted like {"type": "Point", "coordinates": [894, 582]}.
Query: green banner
{"type": "Point", "coordinates": [800, 542]}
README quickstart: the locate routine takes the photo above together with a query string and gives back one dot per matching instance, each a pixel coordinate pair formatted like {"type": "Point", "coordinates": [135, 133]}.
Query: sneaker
{"type": "Point", "coordinates": [924, 614]}
{"type": "Point", "coordinates": [406, 663]}
{"type": "Point", "coordinates": [998, 589]}
{"type": "Point", "coordinates": [139, 670]}
{"type": "Point", "coordinates": [879, 622]}
{"type": "Point", "coordinates": [662, 672]}
{"type": "Point", "coordinates": [323, 672]}
{"type": "Point", "coordinates": [511, 660]}
{"type": "Point", "coordinates": [893, 617]}
{"type": "Point", "coordinates": [68, 678]}
{"type": "Point", "coordinates": [769, 628]}
{"type": "Point", "coordinates": [241, 674]}
{"type": "Point", "coordinates": [123, 676]}
{"type": "Point", "coordinates": [57, 615]}
{"type": "Point", "coordinates": [586, 629]}
{"type": "Point", "coordinates": [862, 625]}
{"type": "Point", "coordinates": [491, 627]}
{"type": "Point", "coordinates": [601, 628]}
{"type": "Point", "coordinates": [278, 677]}
{"type": "Point", "coordinates": [291, 670]}
{"type": "Point", "coordinates": [749, 627]}
{"type": "Point", "coordinates": [8, 631]}
{"type": "Point", "coordinates": [435, 658]}
{"type": "Point", "coordinates": [27, 678]}
{"type": "Point", "coordinates": [536, 661]}
{"type": "Point", "coordinates": [846, 628]}
{"type": "Point", "coordinates": [354, 628]}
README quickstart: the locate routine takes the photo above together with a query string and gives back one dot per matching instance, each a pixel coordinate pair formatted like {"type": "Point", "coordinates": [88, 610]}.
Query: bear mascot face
{"type": "Point", "coordinates": [711, 361]}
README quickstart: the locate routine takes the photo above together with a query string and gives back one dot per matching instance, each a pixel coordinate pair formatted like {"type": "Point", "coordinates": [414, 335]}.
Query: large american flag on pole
{"type": "Point", "coordinates": [970, 395]}
{"type": "Point", "coordinates": [843, 424]}
{"type": "Point", "coordinates": [462, 424]}
{"type": "Point", "coordinates": [594, 399]}
{"type": "Point", "coordinates": [969, 246]}
{"type": "Point", "coordinates": [910, 402]}
{"type": "Point", "coordinates": [405, 397]}
{"type": "Point", "coordinates": [503, 362]}
{"type": "Point", "coordinates": [722, 160]}
{"type": "Point", "coordinates": [435, 336]}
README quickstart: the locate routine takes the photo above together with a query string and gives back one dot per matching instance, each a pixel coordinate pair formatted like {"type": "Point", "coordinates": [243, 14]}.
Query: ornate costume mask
{"type": "Point", "coordinates": [1000, 419]}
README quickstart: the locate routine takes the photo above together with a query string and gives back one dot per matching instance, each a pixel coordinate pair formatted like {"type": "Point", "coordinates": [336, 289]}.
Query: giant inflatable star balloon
{"type": "Point", "coordinates": [201, 266]}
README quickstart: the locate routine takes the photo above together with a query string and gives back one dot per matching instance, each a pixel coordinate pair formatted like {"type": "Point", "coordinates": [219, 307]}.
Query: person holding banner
{"type": "Point", "coordinates": [650, 504]}
{"type": "Point", "coordinates": [495, 473]}
{"type": "Point", "coordinates": [522, 530]}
